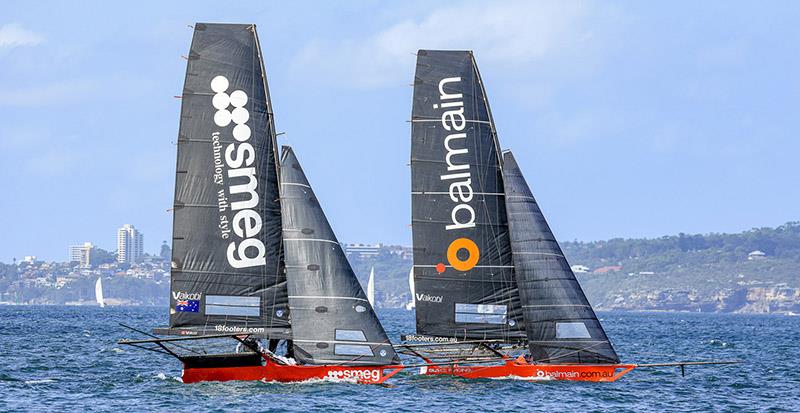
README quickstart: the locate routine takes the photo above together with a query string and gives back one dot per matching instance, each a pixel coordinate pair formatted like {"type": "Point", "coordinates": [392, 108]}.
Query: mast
{"type": "Point", "coordinates": [463, 268]}
{"type": "Point", "coordinates": [332, 319]}
{"type": "Point", "coordinates": [227, 273]}
{"type": "Point", "coordinates": [560, 323]}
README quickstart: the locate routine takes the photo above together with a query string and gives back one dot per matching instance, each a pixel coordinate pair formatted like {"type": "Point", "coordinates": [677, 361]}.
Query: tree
{"type": "Point", "coordinates": [101, 256]}
{"type": "Point", "coordinates": [166, 251]}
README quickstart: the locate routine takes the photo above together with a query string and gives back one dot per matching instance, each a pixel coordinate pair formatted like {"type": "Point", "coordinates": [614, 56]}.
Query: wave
{"type": "Point", "coordinates": [720, 343]}
{"type": "Point", "coordinates": [315, 380]}
{"type": "Point", "coordinates": [162, 376]}
{"type": "Point", "coordinates": [39, 381]}
{"type": "Point", "coordinates": [524, 378]}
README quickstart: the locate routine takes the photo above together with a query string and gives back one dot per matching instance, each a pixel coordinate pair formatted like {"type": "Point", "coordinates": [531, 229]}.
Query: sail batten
{"type": "Point", "coordinates": [463, 268]}
{"type": "Point", "coordinates": [560, 323]}
{"type": "Point", "coordinates": [226, 221]}
{"type": "Point", "coordinates": [332, 319]}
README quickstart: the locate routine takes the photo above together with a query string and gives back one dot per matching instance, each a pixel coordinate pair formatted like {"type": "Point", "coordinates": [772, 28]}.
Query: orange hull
{"type": "Point", "coordinates": [525, 371]}
{"type": "Point", "coordinates": [286, 373]}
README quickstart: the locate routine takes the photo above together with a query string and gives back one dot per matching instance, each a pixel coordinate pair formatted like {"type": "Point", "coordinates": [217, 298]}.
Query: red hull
{"type": "Point", "coordinates": [285, 373]}
{"type": "Point", "coordinates": [525, 371]}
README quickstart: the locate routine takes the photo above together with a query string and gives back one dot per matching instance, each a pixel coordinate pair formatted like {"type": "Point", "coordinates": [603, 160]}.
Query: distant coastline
{"type": "Point", "coordinates": [752, 272]}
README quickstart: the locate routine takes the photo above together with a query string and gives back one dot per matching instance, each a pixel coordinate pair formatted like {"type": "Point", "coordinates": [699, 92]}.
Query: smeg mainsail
{"type": "Point", "coordinates": [495, 296]}
{"type": "Point", "coordinates": [253, 254]}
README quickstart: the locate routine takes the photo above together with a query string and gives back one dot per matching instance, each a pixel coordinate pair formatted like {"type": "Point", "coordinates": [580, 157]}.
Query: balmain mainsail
{"type": "Point", "coordinates": [253, 254]}
{"type": "Point", "coordinates": [463, 265]}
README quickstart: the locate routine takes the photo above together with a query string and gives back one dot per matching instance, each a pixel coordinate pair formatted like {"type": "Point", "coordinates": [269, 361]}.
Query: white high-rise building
{"type": "Point", "coordinates": [81, 254]}
{"type": "Point", "coordinates": [129, 244]}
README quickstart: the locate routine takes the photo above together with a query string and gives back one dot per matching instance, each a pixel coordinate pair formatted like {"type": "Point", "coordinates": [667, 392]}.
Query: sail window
{"type": "Point", "coordinates": [352, 350]}
{"type": "Point", "coordinates": [572, 330]}
{"type": "Point", "coordinates": [233, 305]}
{"type": "Point", "coordinates": [481, 313]}
{"type": "Point", "coordinates": [350, 335]}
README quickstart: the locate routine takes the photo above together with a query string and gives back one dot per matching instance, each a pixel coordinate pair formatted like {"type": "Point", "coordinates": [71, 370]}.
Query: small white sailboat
{"type": "Point", "coordinates": [371, 287]}
{"type": "Point", "coordinates": [411, 304]}
{"type": "Point", "coordinates": [98, 292]}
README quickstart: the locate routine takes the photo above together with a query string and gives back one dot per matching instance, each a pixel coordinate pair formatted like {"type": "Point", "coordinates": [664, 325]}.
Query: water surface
{"type": "Point", "coordinates": [67, 359]}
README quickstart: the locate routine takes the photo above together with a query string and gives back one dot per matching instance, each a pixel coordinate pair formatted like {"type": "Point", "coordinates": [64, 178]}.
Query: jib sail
{"type": "Point", "coordinates": [463, 268]}
{"type": "Point", "coordinates": [332, 320]}
{"type": "Point", "coordinates": [561, 325]}
{"type": "Point", "coordinates": [227, 273]}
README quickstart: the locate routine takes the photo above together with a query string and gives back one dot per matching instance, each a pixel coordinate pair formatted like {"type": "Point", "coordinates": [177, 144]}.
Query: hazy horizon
{"type": "Point", "coordinates": [629, 120]}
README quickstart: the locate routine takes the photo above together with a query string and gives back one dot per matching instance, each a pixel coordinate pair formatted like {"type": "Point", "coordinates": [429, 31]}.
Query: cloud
{"type": "Point", "coordinates": [14, 35]}
{"type": "Point", "coordinates": [514, 33]}
{"type": "Point", "coordinates": [67, 91]}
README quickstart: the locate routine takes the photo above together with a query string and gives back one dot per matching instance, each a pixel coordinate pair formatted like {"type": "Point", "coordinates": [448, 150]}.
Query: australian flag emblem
{"type": "Point", "coordinates": [187, 306]}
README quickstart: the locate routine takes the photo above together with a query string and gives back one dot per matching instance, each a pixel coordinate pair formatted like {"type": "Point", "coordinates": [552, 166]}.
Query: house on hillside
{"type": "Point", "coordinates": [607, 269]}
{"type": "Point", "coordinates": [362, 250]}
{"type": "Point", "coordinates": [756, 255]}
{"type": "Point", "coordinates": [579, 269]}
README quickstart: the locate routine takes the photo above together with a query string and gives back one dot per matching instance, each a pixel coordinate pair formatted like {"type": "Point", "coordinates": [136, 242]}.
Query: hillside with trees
{"type": "Point", "coordinates": [755, 271]}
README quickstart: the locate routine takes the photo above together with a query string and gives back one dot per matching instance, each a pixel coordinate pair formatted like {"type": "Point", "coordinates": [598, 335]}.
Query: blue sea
{"type": "Point", "coordinates": [66, 359]}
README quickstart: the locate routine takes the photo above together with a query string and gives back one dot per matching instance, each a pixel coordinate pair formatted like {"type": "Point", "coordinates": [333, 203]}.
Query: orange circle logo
{"type": "Point", "coordinates": [456, 246]}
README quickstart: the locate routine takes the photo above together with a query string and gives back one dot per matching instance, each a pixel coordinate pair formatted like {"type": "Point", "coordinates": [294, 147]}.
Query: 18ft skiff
{"type": "Point", "coordinates": [495, 296]}
{"type": "Point", "coordinates": [254, 257]}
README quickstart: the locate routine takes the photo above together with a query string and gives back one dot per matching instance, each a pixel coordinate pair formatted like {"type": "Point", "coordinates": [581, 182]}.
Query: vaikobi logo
{"type": "Point", "coordinates": [462, 253]}
{"type": "Point", "coordinates": [182, 295]}
{"type": "Point", "coordinates": [240, 156]}
{"type": "Point", "coordinates": [429, 298]}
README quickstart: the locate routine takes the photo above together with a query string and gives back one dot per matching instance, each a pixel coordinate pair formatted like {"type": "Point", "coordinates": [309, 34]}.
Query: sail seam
{"type": "Point", "coordinates": [556, 305]}
{"type": "Point", "coordinates": [446, 222]}
{"type": "Point", "coordinates": [537, 253]}
{"type": "Point", "coordinates": [199, 205]}
{"type": "Point", "coordinates": [448, 193]}
{"type": "Point", "coordinates": [295, 184]}
{"type": "Point", "coordinates": [312, 239]}
{"type": "Point", "coordinates": [439, 120]}
{"type": "Point", "coordinates": [328, 297]}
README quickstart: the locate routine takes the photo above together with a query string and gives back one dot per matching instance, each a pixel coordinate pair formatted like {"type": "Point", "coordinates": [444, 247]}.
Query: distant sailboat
{"type": "Point", "coordinates": [98, 292]}
{"type": "Point", "coordinates": [371, 287]}
{"type": "Point", "coordinates": [411, 305]}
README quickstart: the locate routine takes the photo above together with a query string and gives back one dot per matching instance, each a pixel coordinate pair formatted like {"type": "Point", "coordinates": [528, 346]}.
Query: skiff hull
{"type": "Point", "coordinates": [525, 371]}
{"type": "Point", "coordinates": [291, 373]}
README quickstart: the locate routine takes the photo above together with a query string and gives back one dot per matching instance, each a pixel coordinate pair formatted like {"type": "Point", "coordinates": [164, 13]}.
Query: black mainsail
{"type": "Point", "coordinates": [332, 320]}
{"type": "Point", "coordinates": [561, 325]}
{"type": "Point", "coordinates": [227, 273]}
{"type": "Point", "coordinates": [463, 266]}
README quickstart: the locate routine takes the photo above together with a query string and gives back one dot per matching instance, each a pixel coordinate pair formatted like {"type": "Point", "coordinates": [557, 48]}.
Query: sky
{"type": "Point", "coordinates": [629, 119]}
